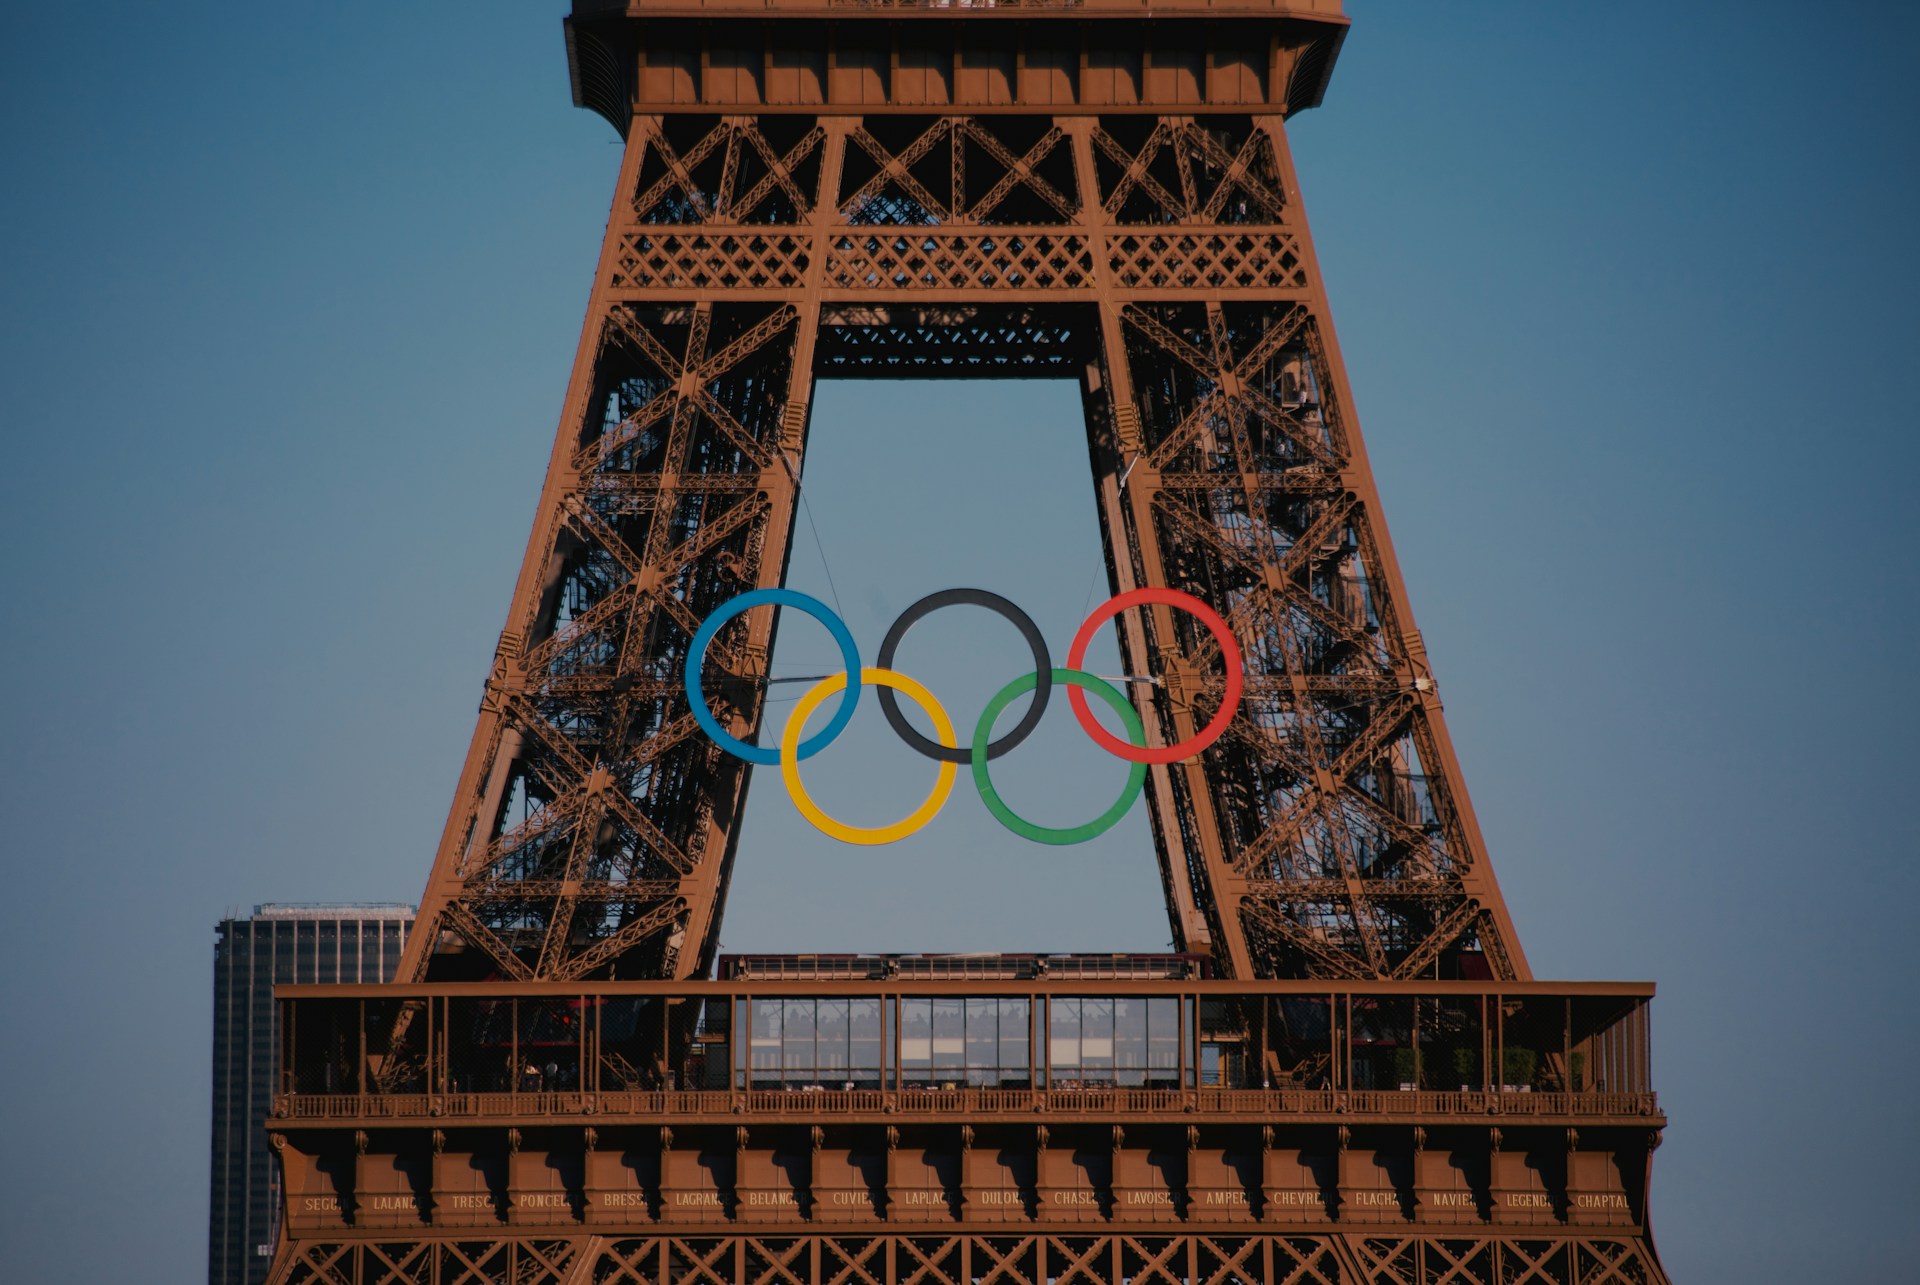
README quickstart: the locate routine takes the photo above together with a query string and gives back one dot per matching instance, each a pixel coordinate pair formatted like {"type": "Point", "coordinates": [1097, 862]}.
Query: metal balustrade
{"type": "Point", "coordinates": [964, 1104]}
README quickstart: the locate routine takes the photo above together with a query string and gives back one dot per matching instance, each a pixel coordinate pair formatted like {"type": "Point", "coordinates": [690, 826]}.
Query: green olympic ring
{"type": "Point", "coordinates": [1006, 816]}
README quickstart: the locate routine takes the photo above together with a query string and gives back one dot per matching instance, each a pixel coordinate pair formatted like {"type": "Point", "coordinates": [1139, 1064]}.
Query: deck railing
{"type": "Point", "coordinates": [962, 1102]}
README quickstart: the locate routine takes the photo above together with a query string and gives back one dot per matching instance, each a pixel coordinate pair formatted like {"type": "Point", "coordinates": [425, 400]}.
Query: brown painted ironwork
{"type": "Point", "coordinates": [995, 208]}
{"type": "Point", "coordinates": [1092, 189]}
{"type": "Point", "coordinates": [1127, 1113]}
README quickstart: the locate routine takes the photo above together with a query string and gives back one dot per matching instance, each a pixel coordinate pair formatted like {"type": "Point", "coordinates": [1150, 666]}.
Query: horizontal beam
{"type": "Point", "coordinates": [1092, 56]}
{"type": "Point", "coordinates": [962, 1105]}
{"type": "Point", "coordinates": [398, 992]}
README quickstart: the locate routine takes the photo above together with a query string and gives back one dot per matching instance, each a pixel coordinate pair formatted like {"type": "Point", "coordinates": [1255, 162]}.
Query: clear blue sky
{"type": "Point", "coordinates": [288, 302]}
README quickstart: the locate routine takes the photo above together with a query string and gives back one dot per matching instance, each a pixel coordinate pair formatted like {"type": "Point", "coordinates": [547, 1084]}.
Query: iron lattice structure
{"type": "Point", "coordinates": [1080, 188]}
{"type": "Point", "coordinates": [1161, 258]}
{"type": "Point", "coordinates": [1061, 1260]}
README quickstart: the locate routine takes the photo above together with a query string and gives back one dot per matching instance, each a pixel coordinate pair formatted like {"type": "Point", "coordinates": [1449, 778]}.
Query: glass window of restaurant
{"type": "Point", "coordinates": [1101, 1041]}
{"type": "Point", "coordinates": [814, 1043]}
{"type": "Point", "coordinates": [954, 1042]}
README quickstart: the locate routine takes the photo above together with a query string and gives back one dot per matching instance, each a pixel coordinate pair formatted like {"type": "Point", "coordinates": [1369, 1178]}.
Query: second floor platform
{"type": "Point", "coordinates": [862, 1039]}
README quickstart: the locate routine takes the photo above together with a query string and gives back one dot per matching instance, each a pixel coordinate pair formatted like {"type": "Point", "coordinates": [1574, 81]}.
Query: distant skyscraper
{"type": "Point", "coordinates": [279, 944]}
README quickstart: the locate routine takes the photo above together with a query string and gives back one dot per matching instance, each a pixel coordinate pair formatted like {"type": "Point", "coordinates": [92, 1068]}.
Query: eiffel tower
{"type": "Point", "coordinates": [1344, 1071]}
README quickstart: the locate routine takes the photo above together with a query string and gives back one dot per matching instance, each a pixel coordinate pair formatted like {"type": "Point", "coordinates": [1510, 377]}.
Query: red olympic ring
{"type": "Point", "coordinates": [1229, 653]}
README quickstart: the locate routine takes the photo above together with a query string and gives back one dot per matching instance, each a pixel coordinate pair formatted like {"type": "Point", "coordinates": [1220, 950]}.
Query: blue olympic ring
{"type": "Point", "coordinates": [842, 636]}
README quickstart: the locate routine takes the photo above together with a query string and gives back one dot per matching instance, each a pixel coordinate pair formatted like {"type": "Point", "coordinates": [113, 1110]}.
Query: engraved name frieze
{"type": "Point", "coordinates": [782, 1198]}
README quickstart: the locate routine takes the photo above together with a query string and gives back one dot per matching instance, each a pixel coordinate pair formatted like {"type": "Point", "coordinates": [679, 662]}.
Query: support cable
{"type": "Point", "coordinates": [819, 548]}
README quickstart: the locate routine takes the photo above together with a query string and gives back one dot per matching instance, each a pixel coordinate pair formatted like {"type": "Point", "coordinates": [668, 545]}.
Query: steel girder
{"type": "Point", "coordinates": [773, 1257]}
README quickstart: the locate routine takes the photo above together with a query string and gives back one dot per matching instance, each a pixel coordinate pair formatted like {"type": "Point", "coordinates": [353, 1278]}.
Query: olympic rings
{"type": "Point", "coordinates": [983, 748]}
{"type": "Point", "coordinates": [942, 784]}
{"type": "Point", "coordinates": [1042, 665]}
{"type": "Point", "coordinates": [697, 652]}
{"type": "Point", "coordinates": [1136, 775]}
{"type": "Point", "coordinates": [1229, 653]}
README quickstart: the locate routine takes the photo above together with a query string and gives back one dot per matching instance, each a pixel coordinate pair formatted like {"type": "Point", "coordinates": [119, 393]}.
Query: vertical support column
{"type": "Point", "coordinates": [1133, 560]}
{"type": "Point", "coordinates": [781, 485]}
{"type": "Point", "coordinates": [1497, 934]}
{"type": "Point", "coordinates": [483, 777]}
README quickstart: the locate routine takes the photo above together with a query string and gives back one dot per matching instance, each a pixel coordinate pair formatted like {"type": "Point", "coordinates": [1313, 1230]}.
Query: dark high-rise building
{"type": "Point", "coordinates": [279, 943]}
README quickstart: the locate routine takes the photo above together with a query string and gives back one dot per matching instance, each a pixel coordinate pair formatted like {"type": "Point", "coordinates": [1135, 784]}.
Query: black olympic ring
{"type": "Point", "coordinates": [1042, 666]}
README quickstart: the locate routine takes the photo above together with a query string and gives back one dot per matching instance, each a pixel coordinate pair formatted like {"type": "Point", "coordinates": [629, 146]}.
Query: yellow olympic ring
{"type": "Point", "coordinates": [790, 759]}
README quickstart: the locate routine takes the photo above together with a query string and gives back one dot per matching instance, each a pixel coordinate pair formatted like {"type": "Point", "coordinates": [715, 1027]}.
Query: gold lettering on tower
{"type": "Point", "coordinates": [781, 1198]}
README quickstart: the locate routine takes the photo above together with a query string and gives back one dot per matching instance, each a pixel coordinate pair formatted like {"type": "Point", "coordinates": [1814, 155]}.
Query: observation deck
{"type": "Point", "coordinates": [966, 1089]}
